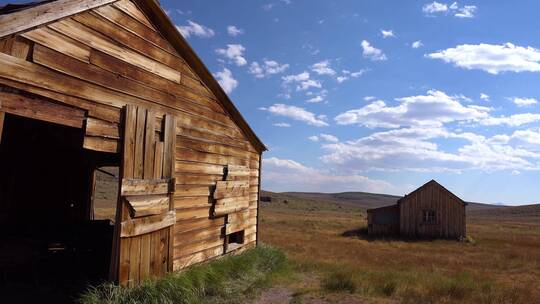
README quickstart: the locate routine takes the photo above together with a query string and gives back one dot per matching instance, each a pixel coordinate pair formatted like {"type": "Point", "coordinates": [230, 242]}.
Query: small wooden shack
{"type": "Point", "coordinates": [118, 148]}
{"type": "Point", "coordinates": [430, 211]}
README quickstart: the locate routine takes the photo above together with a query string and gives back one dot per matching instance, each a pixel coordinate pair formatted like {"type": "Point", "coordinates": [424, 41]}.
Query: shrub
{"type": "Point", "coordinates": [339, 281]}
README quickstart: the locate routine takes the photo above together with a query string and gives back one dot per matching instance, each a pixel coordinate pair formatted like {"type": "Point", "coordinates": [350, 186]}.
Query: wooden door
{"type": "Point", "coordinates": [146, 216]}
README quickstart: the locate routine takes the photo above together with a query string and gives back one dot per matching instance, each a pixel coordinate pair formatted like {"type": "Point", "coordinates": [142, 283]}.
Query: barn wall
{"type": "Point", "coordinates": [99, 61]}
{"type": "Point", "coordinates": [383, 221]}
{"type": "Point", "coordinates": [450, 213]}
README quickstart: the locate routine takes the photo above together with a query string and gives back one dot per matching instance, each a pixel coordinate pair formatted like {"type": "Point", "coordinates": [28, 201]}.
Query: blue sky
{"type": "Point", "coordinates": [381, 96]}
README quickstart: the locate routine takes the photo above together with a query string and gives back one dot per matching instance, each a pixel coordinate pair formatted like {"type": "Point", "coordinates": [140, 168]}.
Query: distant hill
{"type": "Point", "coordinates": [517, 212]}
{"type": "Point", "coordinates": [363, 200]}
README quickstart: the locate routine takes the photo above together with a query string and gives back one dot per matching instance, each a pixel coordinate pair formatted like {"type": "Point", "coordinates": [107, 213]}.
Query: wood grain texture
{"type": "Point", "coordinates": [45, 13]}
{"type": "Point", "coordinates": [58, 42]}
{"type": "Point", "coordinates": [143, 225]}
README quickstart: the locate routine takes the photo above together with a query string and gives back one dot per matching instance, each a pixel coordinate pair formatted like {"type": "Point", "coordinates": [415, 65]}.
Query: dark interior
{"type": "Point", "coordinates": [50, 248]}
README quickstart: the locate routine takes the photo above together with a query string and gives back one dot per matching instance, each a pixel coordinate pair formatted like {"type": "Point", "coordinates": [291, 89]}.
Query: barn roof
{"type": "Point", "coordinates": [16, 18]}
{"type": "Point", "coordinates": [433, 182]}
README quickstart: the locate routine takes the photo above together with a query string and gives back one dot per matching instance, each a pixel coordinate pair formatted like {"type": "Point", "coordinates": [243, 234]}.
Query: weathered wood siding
{"type": "Point", "coordinates": [101, 60]}
{"type": "Point", "coordinates": [383, 221]}
{"type": "Point", "coordinates": [450, 213]}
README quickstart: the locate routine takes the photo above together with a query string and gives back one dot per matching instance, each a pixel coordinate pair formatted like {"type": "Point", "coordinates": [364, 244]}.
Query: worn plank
{"type": "Point", "coordinates": [144, 267]}
{"type": "Point", "coordinates": [41, 109]}
{"type": "Point", "coordinates": [101, 144]}
{"type": "Point", "coordinates": [44, 13]}
{"type": "Point", "coordinates": [139, 143]}
{"type": "Point", "coordinates": [131, 9]}
{"type": "Point", "coordinates": [60, 43]}
{"type": "Point", "coordinates": [97, 41]}
{"type": "Point", "coordinates": [139, 226]}
{"type": "Point", "coordinates": [131, 187]}
{"type": "Point", "coordinates": [225, 189]}
{"type": "Point", "coordinates": [148, 205]}
{"type": "Point", "coordinates": [101, 128]}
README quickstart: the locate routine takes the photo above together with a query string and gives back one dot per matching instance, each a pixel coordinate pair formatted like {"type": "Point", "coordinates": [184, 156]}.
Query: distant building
{"type": "Point", "coordinates": [430, 211]}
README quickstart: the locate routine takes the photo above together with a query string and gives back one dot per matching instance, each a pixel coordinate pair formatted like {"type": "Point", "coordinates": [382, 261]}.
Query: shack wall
{"type": "Point", "coordinates": [449, 210]}
{"type": "Point", "coordinates": [101, 60]}
{"type": "Point", "coordinates": [383, 221]}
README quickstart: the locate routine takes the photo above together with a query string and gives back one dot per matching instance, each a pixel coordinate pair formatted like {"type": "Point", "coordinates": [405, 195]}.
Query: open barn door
{"type": "Point", "coordinates": [146, 215]}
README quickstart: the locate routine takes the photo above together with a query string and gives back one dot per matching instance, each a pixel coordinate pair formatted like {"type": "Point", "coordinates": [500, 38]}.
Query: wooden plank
{"type": "Point", "coordinates": [148, 205]}
{"type": "Point", "coordinates": [145, 187]}
{"type": "Point", "coordinates": [21, 48]}
{"type": "Point", "coordinates": [193, 213]}
{"type": "Point", "coordinates": [232, 228]}
{"type": "Point", "coordinates": [221, 210]}
{"type": "Point", "coordinates": [164, 250]}
{"type": "Point", "coordinates": [2, 118]}
{"type": "Point", "coordinates": [123, 272]}
{"type": "Point", "coordinates": [182, 262]}
{"type": "Point", "coordinates": [130, 126]}
{"type": "Point", "coordinates": [235, 172]}
{"type": "Point", "coordinates": [127, 22]}
{"type": "Point", "coordinates": [191, 202]}
{"type": "Point", "coordinates": [225, 189]}
{"type": "Point", "coordinates": [169, 145]}
{"type": "Point", "coordinates": [101, 128]}
{"type": "Point", "coordinates": [59, 42]}
{"type": "Point", "coordinates": [128, 39]}
{"type": "Point", "coordinates": [154, 254]}
{"type": "Point", "coordinates": [144, 268]}
{"type": "Point", "coordinates": [134, 261]}
{"type": "Point", "coordinates": [41, 109]}
{"type": "Point", "coordinates": [101, 144]}
{"type": "Point", "coordinates": [139, 143]}
{"type": "Point", "coordinates": [97, 41]}
{"type": "Point", "coordinates": [131, 9]}
{"type": "Point", "coordinates": [44, 13]}
{"type": "Point", "coordinates": [158, 160]}
{"type": "Point", "coordinates": [139, 226]}
{"type": "Point", "coordinates": [149, 146]}
{"type": "Point", "coordinates": [195, 236]}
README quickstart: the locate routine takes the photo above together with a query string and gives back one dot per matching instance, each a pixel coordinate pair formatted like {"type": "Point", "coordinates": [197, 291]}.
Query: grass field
{"type": "Point", "coordinates": [335, 262]}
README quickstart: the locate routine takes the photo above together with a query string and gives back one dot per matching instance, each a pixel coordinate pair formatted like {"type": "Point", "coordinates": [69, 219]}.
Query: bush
{"type": "Point", "coordinates": [339, 281]}
{"type": "Point", "coordinates": [220, 280]}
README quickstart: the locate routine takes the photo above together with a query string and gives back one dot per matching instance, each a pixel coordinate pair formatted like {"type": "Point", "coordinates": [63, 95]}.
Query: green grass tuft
{"type": "Point", "coordinates": [220, 281]}
{"type": "Point", "coordinates": [339, 281]}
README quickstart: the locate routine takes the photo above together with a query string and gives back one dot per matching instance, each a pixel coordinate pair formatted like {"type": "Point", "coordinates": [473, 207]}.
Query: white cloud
{"type": "Point", "coordinates": [289, 175]}
{"type": "Point", "coordinates": [492, 58]}
{"type": "Point", "coordinates": [323, 68]}
{"type": "Point", "coordinates": [297, 113]}
{"type": "Point", "coordinates": [302, 80]}
{"type": "Point", "coordinates": [375, 54]}
{"type": "Point", "coordinates": [234, 31]}
{"type": "Point", "coordinates": [514, 120]}
{"type": "Point", "coordinates": [515, 172]}
{"type": "Point", "coordinates": [434, 7]}
{"type": "Point", "coordinates": [282, 125]}
{"type": "Point", "coordinates": [193, 28]}
{"type": "Point", "coordinates": [434, 109]}
{"type": "Point", "coordinates": [329, 137]}
{"type": "Point", "coordinates": [346, 75]}
{"type": "Point", "coordinates": [387, 33]}
{"type": "Point", "coordinates": [319, 97]}
{"type": "Point", "coordinates": [342, 79]}
{"type": "Point", "coordinates": [267, 68]}
{"type": "Point", "coordinates": [417, 44]}
{"type": "Point", "coordinates": [314, 138]}
{"type": "Point", "coordinates": [226, 80]}
{"type": "Point", "coordinates": [235, 53]}
{"type": "Point", "coordinates": [523, 102]}
{"type": "Point", "coordinates": [484, 97]}
{"type": "Point", "coordinates": [466, 11]}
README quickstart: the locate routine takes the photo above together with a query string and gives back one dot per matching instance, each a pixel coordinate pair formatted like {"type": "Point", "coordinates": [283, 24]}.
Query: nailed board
{"type": "Point", "coordinates": [139, 226]}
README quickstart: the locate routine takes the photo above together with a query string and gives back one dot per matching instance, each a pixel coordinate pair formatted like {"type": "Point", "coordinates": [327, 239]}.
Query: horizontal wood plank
{"type": "Point", "coordinates": [131, 187]}
{"type": "Point", "coordinates": [143, 225]}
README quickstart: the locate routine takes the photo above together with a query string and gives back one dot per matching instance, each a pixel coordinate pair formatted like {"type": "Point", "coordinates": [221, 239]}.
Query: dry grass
{"type": "Point", "coordinates": [327, 241]}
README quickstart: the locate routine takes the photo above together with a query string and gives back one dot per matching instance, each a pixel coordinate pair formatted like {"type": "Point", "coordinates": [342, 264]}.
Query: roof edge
{"type": "Point", "coordinates": [153, 10]}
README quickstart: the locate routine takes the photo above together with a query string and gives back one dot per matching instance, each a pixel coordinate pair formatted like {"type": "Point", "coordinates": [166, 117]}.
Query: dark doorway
{"type": "Point", "coordinates": [50, 246]}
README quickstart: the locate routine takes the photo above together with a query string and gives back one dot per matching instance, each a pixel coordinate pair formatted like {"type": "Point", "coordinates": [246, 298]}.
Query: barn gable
{"type": "Point", "coordinates": [435, 184]}
{"type": "Point", "coordinates": [82, 31]}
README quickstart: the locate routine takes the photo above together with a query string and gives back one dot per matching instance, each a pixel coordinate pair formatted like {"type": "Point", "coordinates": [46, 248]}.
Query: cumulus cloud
{"type": "Point", "coordinates": [466, 11]}
{"type": "Point", "coordinates": [417, 44]}
{"type": "Point", "coordinates": [226, 80]}
{"type": "Point", "coordinates": [297, 113]}
{"type": "Point", "coordinates": [375, 54]}
{"type": "Point", "coordinates": [317, 97]}
{"type": "Point", "coordinates": [233, 31]}
{"type": "Point", "coordinates": [492, 58]}
{"type": "Point", "coordinates": [302, 80]}
{"type": "Point", "coordinates": [524, 102]}
{"type": "Point", "coordinates": [323, 68]}
{"type": "Point", "coordinates": [387, 33]}
{"type": "Point", "coordinates": [289, 175]}
{"type": "Point", "coordinates": [514, 120]}
{"type": "Point", "coordinates": [235, 53]}
{"type": "Point", "coordinates": [267, 68]}
{"type": "Point", "coordinates": [195, 29]}
{"type": "Point", "coordinates": [484, 96]}
{"type": "Point", "coordinates": [433, 109]}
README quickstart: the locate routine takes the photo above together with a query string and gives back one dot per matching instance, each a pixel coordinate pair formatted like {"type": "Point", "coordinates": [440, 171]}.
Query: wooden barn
{"type": "Point", "coordinates": [430, 211]}
{"type": "Point", "coordinates": [121, 156]}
